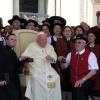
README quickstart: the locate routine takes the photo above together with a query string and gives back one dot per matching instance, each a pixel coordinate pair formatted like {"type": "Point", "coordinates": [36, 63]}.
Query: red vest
{"type": "Point", "coordinates": [78, 65]}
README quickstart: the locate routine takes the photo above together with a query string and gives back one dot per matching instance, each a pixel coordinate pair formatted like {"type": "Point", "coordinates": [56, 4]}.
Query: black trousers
{"type": "Point", "coordinates": [82, 93]}
{"type": "Point", "coordinates": [9, 92]}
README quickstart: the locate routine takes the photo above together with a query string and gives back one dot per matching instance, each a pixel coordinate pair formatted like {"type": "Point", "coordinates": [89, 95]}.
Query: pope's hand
{"type": "Point", "coordinates": [49, 58]}
{"type": "Point", "coordinates": [26, 59]}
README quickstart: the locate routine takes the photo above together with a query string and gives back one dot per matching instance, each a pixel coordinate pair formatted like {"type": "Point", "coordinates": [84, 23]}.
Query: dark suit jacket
{"type": "Point", "coordinates": [10, 70]}
{"type": "Point", "coordinates": [2, 62]}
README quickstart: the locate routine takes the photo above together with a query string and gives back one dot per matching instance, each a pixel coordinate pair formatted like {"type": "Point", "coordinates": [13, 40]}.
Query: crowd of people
{"type": "Point", "coordinates": [75, 56]}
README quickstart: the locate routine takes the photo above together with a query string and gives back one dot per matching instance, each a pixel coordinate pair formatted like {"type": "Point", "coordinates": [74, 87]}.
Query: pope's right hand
{"type": "Point", "coordinates": [49, 58]}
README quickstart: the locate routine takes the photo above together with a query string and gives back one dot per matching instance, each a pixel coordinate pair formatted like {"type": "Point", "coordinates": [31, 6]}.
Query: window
{"type": "Point", "coordinates": [28, 6]}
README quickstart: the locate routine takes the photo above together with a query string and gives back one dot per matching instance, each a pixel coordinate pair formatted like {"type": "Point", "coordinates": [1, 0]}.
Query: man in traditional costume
{"type": "Point", "coordinates": [83, 66]}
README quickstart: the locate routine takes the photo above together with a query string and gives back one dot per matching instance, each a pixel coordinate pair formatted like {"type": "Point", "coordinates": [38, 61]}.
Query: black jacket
{"type": "Point", "coordinates": [2, 62]}
{"type": "Point", "coordinates": [10, 68]}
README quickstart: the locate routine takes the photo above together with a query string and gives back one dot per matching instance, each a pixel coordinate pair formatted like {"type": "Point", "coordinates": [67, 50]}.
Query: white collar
{"type": "Point", "coordinates": [55, 37]}
{"type": "Point", "coordinates": [68, 38]}
{"type": "Point", "coordinates": [92, 45]}
{"type": "Point", "coordinates": [81, 52]}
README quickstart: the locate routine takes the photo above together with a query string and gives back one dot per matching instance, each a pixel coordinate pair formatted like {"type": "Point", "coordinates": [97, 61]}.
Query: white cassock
{"type": "Point", "coordinates": [44, 82]}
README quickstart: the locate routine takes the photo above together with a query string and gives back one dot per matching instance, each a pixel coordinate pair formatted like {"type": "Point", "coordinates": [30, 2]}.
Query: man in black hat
{"type": "Point", "coordinates": [15, 22]}
{"type": "Point", "coordinates": [83, 66]}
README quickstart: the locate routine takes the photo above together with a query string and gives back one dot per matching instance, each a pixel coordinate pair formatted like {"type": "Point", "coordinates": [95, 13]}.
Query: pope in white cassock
{"type": "Point", "coordinates": [44, 82]}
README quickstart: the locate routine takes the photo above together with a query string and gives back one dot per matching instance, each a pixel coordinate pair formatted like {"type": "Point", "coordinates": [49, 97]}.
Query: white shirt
{"type": "Point", "coordinates": [49, 39]}
{"type": "Point", "coordinates": [3, 40]}
{"type": "Point", "coordinates": [92, 60]}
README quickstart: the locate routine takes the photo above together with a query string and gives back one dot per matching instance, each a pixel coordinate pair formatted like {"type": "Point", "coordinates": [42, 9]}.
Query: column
{"type": "Point", "coordinates": [90, 12]}
{"type": "Point", "coordinates": [15, 7]}
{"type": "Point", "coordinates": [82, 12]}
{"type": "Point", "coordinates": [51, 8]}
{"type": "Point", "coordinates": [41, 6]}
{"type": "Point", "coordinates": [58, 7]}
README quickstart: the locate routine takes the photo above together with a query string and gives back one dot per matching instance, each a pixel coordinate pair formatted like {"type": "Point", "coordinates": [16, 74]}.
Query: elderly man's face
{"type": "Point", "coordinates": [42, 40]}
{"type": "Point", "coordinates": [80, 45]}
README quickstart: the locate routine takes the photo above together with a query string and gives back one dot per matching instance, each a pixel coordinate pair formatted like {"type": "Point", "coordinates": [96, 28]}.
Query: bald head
{"type": "Point", "coordinates": [42, 39]}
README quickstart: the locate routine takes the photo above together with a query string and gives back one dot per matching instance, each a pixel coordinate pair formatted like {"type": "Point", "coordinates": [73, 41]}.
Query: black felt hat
{"type": "Point", "coordinates": [23, 20]}
{"type": "Point", "coordinates": [31, 21]}
{"type": "Point", "coordinates": [15, 17]}
{"type": "Point", "coordinates": [57, 19]}
{"type": "Point", "coordinates": [61, 25]}
{"type": "Point", "coordinates": [46, 21]}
